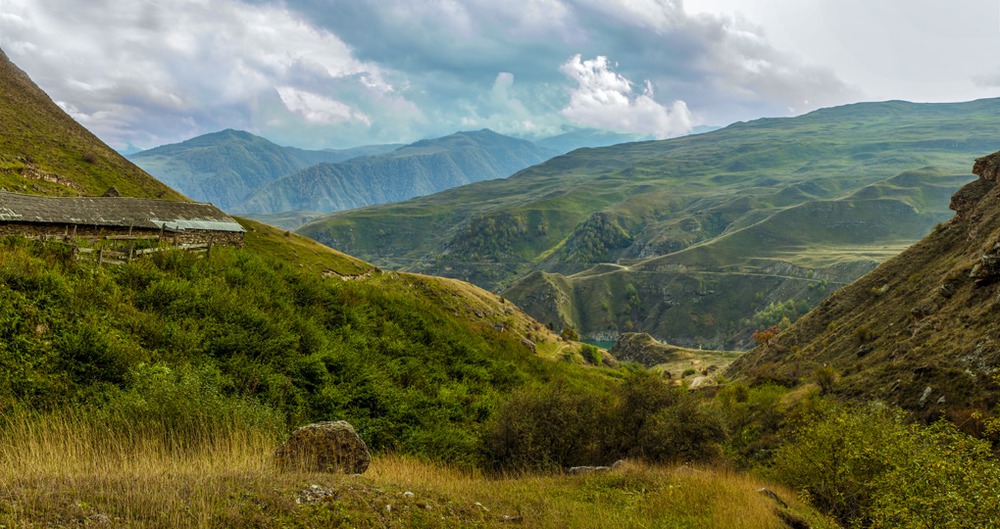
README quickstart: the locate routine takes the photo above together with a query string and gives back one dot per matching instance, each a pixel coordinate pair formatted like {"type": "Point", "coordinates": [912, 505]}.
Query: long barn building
{"type": "Point", "coordinates": [98, 217]}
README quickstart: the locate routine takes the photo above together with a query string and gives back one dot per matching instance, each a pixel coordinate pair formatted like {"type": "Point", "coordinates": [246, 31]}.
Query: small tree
{"type": "Point", "coordinates": [569, 334]}
{"type": "Point", "coordinates": [764, 336]}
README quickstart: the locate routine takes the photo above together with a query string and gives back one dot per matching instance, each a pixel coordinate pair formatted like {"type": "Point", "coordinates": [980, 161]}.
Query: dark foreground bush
{"type": "Point", "coordinates": [559, 426]}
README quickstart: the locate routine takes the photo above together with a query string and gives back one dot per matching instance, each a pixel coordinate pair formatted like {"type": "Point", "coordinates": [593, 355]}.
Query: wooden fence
{"type": "Point", "coordinates": [105, 256]}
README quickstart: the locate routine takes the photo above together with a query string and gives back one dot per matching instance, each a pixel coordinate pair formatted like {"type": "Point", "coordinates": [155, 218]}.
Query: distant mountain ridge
{"type": "Point", "coordinates": [226, 167]}
{"type": "Point", "coordinates": [697, 239]}
{"type": "Point", "coordinates": [421, 168]}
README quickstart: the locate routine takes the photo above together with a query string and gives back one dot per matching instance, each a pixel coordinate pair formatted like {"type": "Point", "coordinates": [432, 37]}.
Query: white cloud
{"type": "Point", "coordinates": [146, 73]}
{"type": "Point", "coordinates": [318, 109]}
{"type": "Point", "coordinates": [604, 99]}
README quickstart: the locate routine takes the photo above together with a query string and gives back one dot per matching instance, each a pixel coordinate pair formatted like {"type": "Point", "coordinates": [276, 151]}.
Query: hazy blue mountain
{"type": "Point", "coordinates": [225, 167]}
{"type": "Point", "coordinates": [577, 138]}
{"type": "Point", "coordinates": [421, 168]}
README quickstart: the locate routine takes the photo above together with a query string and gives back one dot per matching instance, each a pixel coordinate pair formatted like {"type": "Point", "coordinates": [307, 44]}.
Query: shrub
{"type": "Point", "coordinates": [546, 428]}
{"type": "Point", "coordinates": [569, 333]}
{"type": "Point", "coordinates": [868, 468]}
{"type": "Point", "coordinates": [559, 427]}
{"type": "Point", "coordinates": [591, 354]}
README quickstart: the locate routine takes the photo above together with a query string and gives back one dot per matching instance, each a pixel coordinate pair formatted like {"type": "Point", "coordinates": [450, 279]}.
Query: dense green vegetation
{"type": "Point", "coordinates": [758, 209]}
{"type": "Point", "coordinates": [226, 167]}
{"type": "Point", "coordinates": [421, 168]}
{"type": "Point", "coordinates": [244, 337]}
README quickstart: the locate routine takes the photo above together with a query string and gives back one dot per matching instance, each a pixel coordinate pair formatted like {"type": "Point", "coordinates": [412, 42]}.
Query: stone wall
{"type": "Point", "coordinates": [221, 238]}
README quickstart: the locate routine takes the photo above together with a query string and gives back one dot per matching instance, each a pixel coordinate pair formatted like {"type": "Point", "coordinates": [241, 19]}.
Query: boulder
{"type": "Point", "coordinates": [331, 446]}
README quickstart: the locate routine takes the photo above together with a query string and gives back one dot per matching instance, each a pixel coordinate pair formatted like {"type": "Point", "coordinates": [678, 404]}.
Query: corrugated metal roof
{"type": "Point", "coordinates": [115, 211]}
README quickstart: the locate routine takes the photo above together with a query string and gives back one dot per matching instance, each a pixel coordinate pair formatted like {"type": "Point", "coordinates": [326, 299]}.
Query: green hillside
{"type": "Point", "coordinates": [756, 213]}
{"type": "Point", "coordinates": [421, 168]}
{"type": "Point", "coordinates": [43, 151]}
{"type": "Point", "coordinates": [226, 167]}
{"type": "Point", "coordinates": [917, 331]}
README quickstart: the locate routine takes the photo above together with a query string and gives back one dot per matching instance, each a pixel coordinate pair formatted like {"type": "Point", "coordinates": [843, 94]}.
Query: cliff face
{"type": "Point", "coordinates": [922, 330]}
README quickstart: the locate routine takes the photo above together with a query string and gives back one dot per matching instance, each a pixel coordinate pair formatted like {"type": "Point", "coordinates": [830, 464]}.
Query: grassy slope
{"type": "Point", "coordinates": [917, 324]}
{"type": "Point", "coordinates": [38, 138]}
{"type": "Point", "coordinates": [767, 177]}
{"type": "Point", "coordinates": [75, 477]}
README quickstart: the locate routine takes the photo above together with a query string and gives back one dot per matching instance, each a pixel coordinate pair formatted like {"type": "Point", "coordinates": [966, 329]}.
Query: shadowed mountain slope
{"type": "Point", "coordinates": [226, 167]}
{"type": "Point", "coordinates": [421, 168]}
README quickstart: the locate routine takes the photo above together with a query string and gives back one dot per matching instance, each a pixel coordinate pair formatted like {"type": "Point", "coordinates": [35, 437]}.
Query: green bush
{"type": "Point", "coordinates": [178, 341]}
{"type": "Point", "coordinates": [591, 354]}
{"type": "Point", "coordinates": [867, 467]}
{"type": "Point", "coordinates": [645, 418]}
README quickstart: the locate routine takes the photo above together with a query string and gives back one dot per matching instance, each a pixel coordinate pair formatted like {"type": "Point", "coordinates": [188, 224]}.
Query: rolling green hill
{"type": "Point", "coordinates": [421, 168]}
{"type": "Point", "coordinates": [714, 227]}
{"type": "Point", "coordinates": [226, 167]}
{"type": "Point", "coordinates": [43, 151]}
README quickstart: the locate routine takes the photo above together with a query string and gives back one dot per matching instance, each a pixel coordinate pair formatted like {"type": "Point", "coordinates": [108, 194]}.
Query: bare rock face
{"type": "Point", "coordinates": [987, 167]}
{"type": "Point", "coordinates": [965, 200]}
{"type": "Point", "coordinates": [331, 446]}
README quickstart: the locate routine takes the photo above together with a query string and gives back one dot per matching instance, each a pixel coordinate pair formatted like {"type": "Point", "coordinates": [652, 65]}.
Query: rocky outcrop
{"type": "Point", "coordinates": [331, 446]}
{"type": "Point", "coordinates": [964, 201]}
{"type": "Point", "coordinates": [987, 270]}
{"type": "Point", "coordinates": [642, 348]}
{"type": "Point", "coordinates": [987, 167]}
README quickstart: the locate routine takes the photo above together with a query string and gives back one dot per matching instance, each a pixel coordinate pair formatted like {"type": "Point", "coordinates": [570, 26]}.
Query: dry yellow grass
{"type": "Point", "coordinates": [64, 472]}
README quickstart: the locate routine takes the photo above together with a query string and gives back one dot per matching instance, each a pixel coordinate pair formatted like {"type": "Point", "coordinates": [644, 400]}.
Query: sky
{"type": "Point", "coordinates": [342, 73]}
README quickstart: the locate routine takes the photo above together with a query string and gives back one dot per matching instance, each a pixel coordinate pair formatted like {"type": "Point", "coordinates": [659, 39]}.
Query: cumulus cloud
{"type": "Point", "coordinates": [317, 73]}
{"type": "Point", "coordinates": [604, 99]}
{"type": "Point", "coordinates": [145, 72]}
{"type": "Point", "coordinates": [318, 109]}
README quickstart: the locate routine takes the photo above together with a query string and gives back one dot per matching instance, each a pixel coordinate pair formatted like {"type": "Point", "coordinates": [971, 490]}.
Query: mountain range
{"type": "Point", "coordinates": [696, 240]}
{"type": "Point", "coordinates": [421, 168]}
{"type": "Point", "coordinates": [226, 167]}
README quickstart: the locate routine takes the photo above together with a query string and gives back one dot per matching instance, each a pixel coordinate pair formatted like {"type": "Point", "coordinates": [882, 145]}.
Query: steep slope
{"type": "Point", "coordinates": [921, 329]}
{"type": "Point", "coordinates": [421, 168]}
{"type": "Point", "coordinates": [632, 204]}
{"type": "Point", "coordinates": [226, 167]}
{"type": "Point", "coordinates": [42, 150]}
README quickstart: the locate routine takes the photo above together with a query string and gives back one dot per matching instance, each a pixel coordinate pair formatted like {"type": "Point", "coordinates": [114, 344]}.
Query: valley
{"type": "Point", "coordinates": [828, 284]}
{"type": "Point", "coordinates": [757, 213]}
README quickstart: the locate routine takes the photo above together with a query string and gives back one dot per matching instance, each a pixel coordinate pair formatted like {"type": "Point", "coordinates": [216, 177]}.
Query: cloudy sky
{"type": "Point", "coordinates": [339, 73]}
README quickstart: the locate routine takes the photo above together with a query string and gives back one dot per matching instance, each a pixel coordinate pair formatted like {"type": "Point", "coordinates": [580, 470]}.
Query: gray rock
{"type": "Point", "coordinates": [773, 495]}
{"type": "Point", "coordinates": [587, 470]}
{"type": "Point", "coordinates": [331, 446]}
